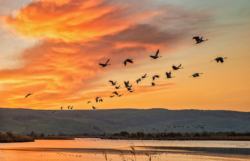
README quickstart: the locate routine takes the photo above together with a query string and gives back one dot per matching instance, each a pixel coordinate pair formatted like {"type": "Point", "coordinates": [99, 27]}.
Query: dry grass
{"type": "Point", "coordinates": [10, 137]}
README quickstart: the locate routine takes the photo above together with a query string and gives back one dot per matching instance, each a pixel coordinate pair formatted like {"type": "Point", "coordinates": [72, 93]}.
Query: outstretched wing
{"type": "Point", "coordinates": [174, 67]}
{"type": "Point", "coordinates": [196, 38]}
{"type": "Point", "coordinates": [167, 74]}
{"type": "Point", "coordinates": [115, 93]}
{"type": "Point", "coordinates": [157, 53]}
{"type": "Point", "coordinates": [129, 60]}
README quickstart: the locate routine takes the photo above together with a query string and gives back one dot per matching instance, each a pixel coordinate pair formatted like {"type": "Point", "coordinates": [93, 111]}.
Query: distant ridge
{"type": "Point", "coordinates": [116, 120]}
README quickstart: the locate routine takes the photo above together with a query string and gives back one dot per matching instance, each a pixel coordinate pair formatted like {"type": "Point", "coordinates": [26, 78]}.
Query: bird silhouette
{"type": "Point", "coordinates": [126, 84]}
{"type": "Point", "coordinates": [155, 76]}
{"type": "Point", "coordinates": [219, 59]}
{"type": "Point", "coordinates": [127, 61]}
{"type": "Point", "coordinates": [115, 93]}
{"type": "Point", "coordinates": [88, 102]}
{"type": "Point", "coordinates": [100, 100]}
{"type": "Point", "coordinates": [138, 80]}
{"type": "Point", "coordinates": [153, 84]}
{"type": "Point", "coordinates": [104, 65]}
{"type": "Point", "coordinates": [28, 95]}
{"type": "Point", "coordinates": [112, 82]}
{"type": "Point", "coordinates": [144, 76]}
{"type": "Point", "coordinates": [94, 107]}
{"type": "Point", "coordinates": [61, 107]}
{"type": "Point", "coordinates": [96, 99]}
{"type": "Point", "coordinates": [176, 68]}
{"type": "Point", "coordinates": [129, 88]}
{"type": "Point", "coordinates": [117, 87]}
{"type": "Point", "coordinates": [169, 75]}
{"type": "Point", "coordinates": [111, 96]}
{"type": "Point", "coordinates": [71, 107]}
{"type": "Point", "coordinates": [199, 40]}
{"type": "Point", "coordinates": [156, 55]}
{"type": "Point", "coordinates": [195, 75]}
{"type": "Point", "coordinates": [120, 95]}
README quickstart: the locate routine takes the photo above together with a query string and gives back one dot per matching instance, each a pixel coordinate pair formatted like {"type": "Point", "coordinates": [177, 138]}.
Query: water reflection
{"type": "Point", "coordinates": [120, 150]}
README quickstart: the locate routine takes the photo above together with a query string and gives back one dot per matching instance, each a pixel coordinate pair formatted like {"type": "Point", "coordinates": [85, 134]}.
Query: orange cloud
{"type": "Point", "coordinates": [77, 36]}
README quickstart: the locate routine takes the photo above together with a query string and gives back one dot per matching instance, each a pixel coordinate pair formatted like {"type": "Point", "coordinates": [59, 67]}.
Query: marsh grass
{"type": "Point", "coordinates": [9, 137]}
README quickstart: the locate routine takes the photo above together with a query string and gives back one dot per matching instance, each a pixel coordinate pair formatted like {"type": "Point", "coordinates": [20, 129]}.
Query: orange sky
{"type": "Point", "coordinates": [52, 48]}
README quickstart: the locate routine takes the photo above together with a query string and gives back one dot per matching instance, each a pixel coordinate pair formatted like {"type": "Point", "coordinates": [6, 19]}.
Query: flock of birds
{"type": "Point", "coordinates": [128, 86]}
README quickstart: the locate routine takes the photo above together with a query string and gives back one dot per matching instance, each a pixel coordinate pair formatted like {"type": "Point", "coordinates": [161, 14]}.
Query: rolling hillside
{"type": "Point", "coordinates": [111, 121]}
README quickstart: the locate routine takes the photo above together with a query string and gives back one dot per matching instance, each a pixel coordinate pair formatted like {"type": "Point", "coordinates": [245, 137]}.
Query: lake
{"type": "Point", "coordinates": [120, 150]}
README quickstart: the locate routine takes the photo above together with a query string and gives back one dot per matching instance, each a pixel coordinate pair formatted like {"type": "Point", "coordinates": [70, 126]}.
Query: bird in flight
{"type": "Point", "coordinates": [156, 55]}
{"type": "Point", "coordinates": [96, 99]}
{"type": "Point", "coordinates": [115, 93]}
{"type": "Point", "coordinates": [126, 84]}
{"type": "Point", "coordinates": [104, 65]}
{"type": "Point", "coordinates": [88, 102]}
{"type": "Point", "coordinates": [129, 88]}
{"type": "Point", "coordinates": [169, 75]}
{"type": "Point", "coordinates": [153, 84]}
{"type": "Point", "coordinates": [138, 80]}
{"type": "Point", "coordinates": [112, 96]}
{"type": "Point", "coordinates": [94, 107]}
{"type": "Point", "coordinates": [71, 107]}
{"type": "Point", "coordinates": [195, 75]}
{"type": "Point", "coordinates": [112, 82]}
{"type": "Point", "coordinates": [120, 95]}
{"type": "Point", "coordinates": [144, 76]}
{"type": "Point", "coordinates": [53, 111]}
{"type": "Point", "coordinates": [127, 61]}
{"type": "Point", "coordinates": [117, 87]}
{"type": "Point", "coordinates": [28, 95]}
{"type": "Point", "coordinates": [198, 39]}
{"type": "Point", "coordinates": [219, 59]}
{"type": "Point", "coordinates": [100, 100]}
{"type": "Point", "coordinates": [155, 76]}
{"type": "Point", "coordinates": [176, 68]}
{"type": "Point", "coordinates": [61, 107]}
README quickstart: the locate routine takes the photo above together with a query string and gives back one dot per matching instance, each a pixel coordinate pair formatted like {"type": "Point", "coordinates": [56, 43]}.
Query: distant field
{"type": "Point", "coordinates": [113, 121]}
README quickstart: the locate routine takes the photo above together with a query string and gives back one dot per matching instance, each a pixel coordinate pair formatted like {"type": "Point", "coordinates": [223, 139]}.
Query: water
{"type": "Point", "coordinates": [120, 150]}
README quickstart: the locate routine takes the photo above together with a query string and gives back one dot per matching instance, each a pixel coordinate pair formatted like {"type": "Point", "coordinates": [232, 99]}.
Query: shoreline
{"type": "Point", "coordinates": [12, 138]}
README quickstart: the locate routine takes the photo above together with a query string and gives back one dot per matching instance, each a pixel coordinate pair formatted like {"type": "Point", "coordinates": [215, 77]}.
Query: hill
{"type": "Point", "coordinates": [111, 121]}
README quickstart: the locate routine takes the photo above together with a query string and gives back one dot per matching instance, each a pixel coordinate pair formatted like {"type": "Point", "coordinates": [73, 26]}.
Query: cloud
{"type": "Point", "coordinates": [77, 35]}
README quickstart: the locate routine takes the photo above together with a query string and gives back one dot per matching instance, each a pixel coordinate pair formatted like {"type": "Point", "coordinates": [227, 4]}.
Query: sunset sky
{"type": "Point", "coordinates": [52, 48]}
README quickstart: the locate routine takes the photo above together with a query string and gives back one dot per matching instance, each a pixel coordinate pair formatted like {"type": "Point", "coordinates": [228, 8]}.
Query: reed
{"type": "Point", "coordinates": [9, 137]}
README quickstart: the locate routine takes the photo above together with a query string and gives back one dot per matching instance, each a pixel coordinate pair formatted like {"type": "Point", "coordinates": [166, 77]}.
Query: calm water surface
{"type": "Point", "coordinates": [120, 150]}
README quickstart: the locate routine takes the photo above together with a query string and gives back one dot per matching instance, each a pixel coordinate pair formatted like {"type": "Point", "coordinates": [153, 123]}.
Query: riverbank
{"type": "Point", "coordinates": [232, 136]}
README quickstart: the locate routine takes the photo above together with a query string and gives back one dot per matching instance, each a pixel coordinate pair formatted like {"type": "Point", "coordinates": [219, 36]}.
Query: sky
{"type": "Point", "coordinates": [53, 48]}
